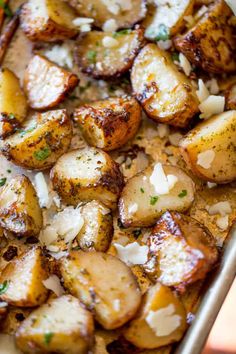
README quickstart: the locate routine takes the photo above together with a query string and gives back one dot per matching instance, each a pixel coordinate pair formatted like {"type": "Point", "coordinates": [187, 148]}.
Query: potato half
{"type": "Point", "coordinates": [114, 296]}
{"type": "Point", "coordinates": [209, 148]}
{"type": "Point", "coordinates": [43, 138]}
{"type": "Point", "coordinates": [160, 321]}
{"type": "Point", "coordinates": [20, 212]}
{"type": "Point", "coordinates": [23, 277]}
{"type": "Point", "coordinates": [140, 204]}
{"type": "Point", "coordinates": [46, 84]}
{"type": "Point", "coordinates": [166, 18]}
{"type": "Point", "coordinates": [181, 251]}
{"type": "Point", "coordinates": [60, 326]}
{"type": "Point", "coordinates": [125, 13]}
{"type": "Point", "coordinates": [97, 230]}
{"type": "Point", "coordinates": [13, 104]}
{"type": "Point", "coordinates": [87, 174]}
{"type": "Point", "coordinates": [166, 94]}
{"type": "Point", "coordinates": [48, 20]}
{"type": "Point", "coordinates": [106, 55]}
{"type": "Point", "coordinates": [210, 44]}
{"type": "Point", "coordinates": [110, 123]}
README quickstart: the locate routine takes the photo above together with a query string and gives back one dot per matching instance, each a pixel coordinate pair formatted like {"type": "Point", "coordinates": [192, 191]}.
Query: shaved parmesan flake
{"type": "Point", "coordinates": [162, 183]}
{"type": "Point", "coordinates": [213, 86]}
{"type": "Point", "coordinates": [61, 55]}
{"type": "Point", "coordinates": [109, 42]}
{"type": "Point", "coordinates": [42, 190]}
{"type": "Point", "coordinates": [48, 236]}
{"type": "Point", "coordinates": [222, 208]}
{"type": "Point", "coordinates": [132, 253]}
{"type": "Point", "coordinates": [185, 64]}
{"type": "Point", "coordinates": [53, 283]}
{"type": "Point", "coordinates": [79, 21]}
{"type": "Point", "coordinates": [212, 105]}
{"type": "Point", "coordinates": [164, 321]}
{"type": "Point", "coordinates": [205, 159]}
{"type": "Point", "coordinates": [223, 222]}
{"type": "Point", "coordinates": [110, 25]}
{"type": "Point", "coordinates": [232, 5]}
{"type": "Point", "coordinates": [202, 92]}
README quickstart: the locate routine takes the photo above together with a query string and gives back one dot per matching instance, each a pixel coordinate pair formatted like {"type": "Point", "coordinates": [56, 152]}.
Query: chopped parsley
{"type": "Point", "coordinates": [3, 287]}
{"type": "Point", "coordinates": [141, 190]}
{"type": "Point", "coordinates": [153, 200]}
{"type": "Point", "coordinates": [6, 8]}
{"type": "Point", "coordinates": [11, 116]}
{"type": "Point", "coordinates": [163, 33]}
{"type": "Point", "coordinates": [48, 337]}
{"type": "Point", "coordinates": [92, 56]}
{"type": "Point", "coordinates": [137, 232]}
{"type": "Point", "coordinates": [2, 181]}
{"type": "Point", "coordinates": [175, 56]}
{"type": "Point", "coordinates": [183, 193]}
{"type": "Point", "coordinates": [121, 33]}
{"type": "Point", "coordinates": [9, 171]}
{"type": "Point", "coordinates": [42, 154]}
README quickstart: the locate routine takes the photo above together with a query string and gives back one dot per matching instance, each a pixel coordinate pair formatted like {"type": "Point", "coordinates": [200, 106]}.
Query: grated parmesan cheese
{"type": "Point", "coordinates": [109, 42]}
{"type": "Point", "coordinates": [53, 283]}
{"type": "Point", "coordinates": [222, 208]}
{"type": "Point", "coordinates": [202, 92]}
{"type": "Point", "coordinates": [211, 185]}
{"type": "Point", "coordinates": [175, 138]}
{"type": "Point", "coordinates": [223, 222]}
{"type": "Point", "coordinates": [61, 55]}
{"type": "Point", "coordinates": [165, 45]}
{"type": "Point", "coordinates": [132, 253]}
{"type": "Point", "coordinates": [185, 64]}
{"type": "Point", "coordinates": [213, 86]}
{"type": "Point", "coordinates": [110, 25]}
{"type": "Point", "coordinates": [212, 105]}
{"type": "Point", "coordinates": [163, 130]}
{"type": "Point", "coordinates": [162, 183]}
{"type": "Point", "coordinates": [41, 188]}
{"type": "Point", "coordinates": [205, 159]}
{"type": "Point", "coordinates": [80, 21]}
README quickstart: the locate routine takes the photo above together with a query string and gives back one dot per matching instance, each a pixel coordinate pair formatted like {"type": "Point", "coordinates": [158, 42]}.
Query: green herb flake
{"type": "Point", "coordinates": [121, 33]}
{"type": "Point", "coordinates": [163, 33]}
{"type": "Point", "coordinates": [175, 56]}
{"type": "Point", "coordinates": [91, 56]}
{"type": "Point", "coordinates": [183, 193]}
{"type": "Point", "coordinates": [2, 181]}
{"type": "Point", "coordinates": [153, 200]}
{"type": "Point", "coordinates": [48, 337]}
{"type": "Point", "coordinates": [3, 287]}
{"type": "Point", "coordinates": [9, 171]}
{"type": "Point", "coordinates": [42, 154]}
{"type": "Point", "coordinates": [141, 190]}
{"type": "Point", "coordinates": [6, 8]}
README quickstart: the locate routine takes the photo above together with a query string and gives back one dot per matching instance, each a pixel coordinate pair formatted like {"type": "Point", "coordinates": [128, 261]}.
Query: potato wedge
{"type": "Point", "coordinates": [166, 18]}
{"type": "Point", "coordinates": [13, 104]}
{"type": "Point", "coordinates": [160, 321]}
{"type": "Point", "coordinates": [166, 94]}
{"type": "Point", "coordinates": [97, 230]}
{"type": "Point", "coordinates": [230, 96]}
{"type": "Point", "coordinates": [20, 212]}
{"type": "Point", "coordinates": [60, 326]}
{"type": "Point", "coordinates": [125, 13]}
{"type": "Point", "coordinates": [87, 174]}
{"type": "Point", "coordinates": [23, 277]}
{"type": "Point", "coordinates": [209, 148]}
{"type": "Point", "coordinates": [141, 203]}
{"type": "Point", "coordinates": [43, 138]}
{"type": "Point", "coordinates": [181, 251]}
{"type": "Point", "coordinates": [48, 20]}
{"type": "Point", "coordinates": [211, 44]}
{"type": "Point", "coordinates": [106, 55]}
{"type": "Point", "coordinates": [114, 296]}
{"type": "Point", "coordinates": [110, 123]}
{"type": "Point", "coordinates": [46, 84]}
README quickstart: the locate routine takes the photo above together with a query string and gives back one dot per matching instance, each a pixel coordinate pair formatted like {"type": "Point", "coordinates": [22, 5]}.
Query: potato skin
{"type": "Point", "coordinates": [102, 181]}
{"type": "Point", "coordinates": [110, 123]}
{"type": "Point", "coordinates": [24, 275]}
{"type": "Point", "coordinates": [43, 77]}
{"type": "Point", "coordinates": [182, 251]}
{"type": "Point", "coordinates": [218, 135]}
{"type": "Point", "coordinates": [20, 212]}
{"type": "Point", "coordinates": [211, 44]}
{"type": "Point", "coordinates": [230, 96]}
{"type": "Point", "coordinates": [174, 104]}
{"type": "Point", "coordinates": [39, 148]}
{"type": "Point", "coordinates": [50, 330]}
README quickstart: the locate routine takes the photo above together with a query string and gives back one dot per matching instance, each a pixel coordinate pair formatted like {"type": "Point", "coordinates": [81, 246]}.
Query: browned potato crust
{"type": "Point", "coordinates": [62, 325]}
{"type": "Point", "coordinates": [42, 139]}
{"type": "Point", "coordinates": [97, 59]}
{"type": "Point", "coordinates": [20, 212]}
{"type": "Point", "coordinates": [87, 174]}
{"type": "Point", "coordinates": [48, 20]}
{"type": "Point", "coordinates": [110, 123]}
{"type": "Point", "coordinates": [103, 283]}
{"type": "Point", "coordinates": [230, 96]}
{"type": "Point", "coordinates": [101, 11]}
{"type": "Point", "coordinates": [166, 94]}
{"type": "Point", "coordinates": [211, 43]}
{"type": "Point", "coordinates": [46, 84]}
{"type": "Point", "coordinates": [182, 251]}
{"type": "Point", "coordinates": [24, 276]}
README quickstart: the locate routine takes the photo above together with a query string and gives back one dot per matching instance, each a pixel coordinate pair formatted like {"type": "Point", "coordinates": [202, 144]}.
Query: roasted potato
{"type": "Point", "coordinates": [210, 44]}
{"type": "Point", "coordinates": [160, 321]}
{"type": "Point", "coordinates": [43, 138]}
{"type": "Point", "coordinates": [106, 55]}
{"type": "Point", "coordinates": [166, 94]}
{"type": "Point", "coordinates": [110, 123]}
{"type": "Point", "coordinates": [97, 230]}
{"type": "Point", "coordinates": [166, 18]}
{"type": "Point", "coordinates": [143, 198]}
{"type": "Point", "coordinates": [87, 174]}
{"type": "Point", "coordinates": [60, 326]}
{"type": "Point", "coordinates": [230, 96]}
{"type": "Point", "coordinates": [125, 13]}
{"type": "Point", "coordinates": [23, 277]}
{"type": "Point", "coordinates": [46, 84]}
{"type": "Point", "coordinates": [114, 296]}
{"type": "Point", "coordinates": [20, 212]}
{"type": "Point", "coordinates": [48, 20]}
{"type": "Point", "coordinates": [13, 104]}
{"type": "Point", "coordinates": [181, 251]}
{"type": "Point", "coordinates": [209, 148]}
